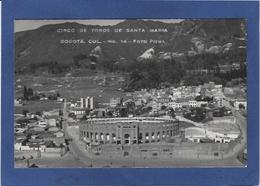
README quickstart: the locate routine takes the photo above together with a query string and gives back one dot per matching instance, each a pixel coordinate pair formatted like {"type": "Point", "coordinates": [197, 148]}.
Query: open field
{"type": "Point", "coordinates": [101, 86]}
{"type": "Point", "coordinates": [34, 106]}
{"type": "Point", "coordinates": [51, 161]}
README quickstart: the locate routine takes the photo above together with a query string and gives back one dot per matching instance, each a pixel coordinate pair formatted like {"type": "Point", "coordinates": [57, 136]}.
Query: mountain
{"type": "Point", "coordinates": [148, 54]}
{"type": "Point", "coordinates": [187, 38]}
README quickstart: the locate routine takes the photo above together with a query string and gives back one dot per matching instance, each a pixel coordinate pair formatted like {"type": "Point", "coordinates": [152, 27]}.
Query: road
{"type": "Point", "coordinates": [73, 146]}
{"type": "Point", "coordinates": [242, 122]}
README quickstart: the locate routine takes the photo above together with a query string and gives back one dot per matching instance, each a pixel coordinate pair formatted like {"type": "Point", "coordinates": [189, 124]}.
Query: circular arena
{"type": "Point", "coordinates": [123, 131]}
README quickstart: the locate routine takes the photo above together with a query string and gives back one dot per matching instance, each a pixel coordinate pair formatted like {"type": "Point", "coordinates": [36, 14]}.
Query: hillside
{"type": "Point", "coordinates": [185, 39]}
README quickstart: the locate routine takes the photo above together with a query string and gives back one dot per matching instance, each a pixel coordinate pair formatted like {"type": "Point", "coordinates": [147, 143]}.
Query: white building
{"type": "Point", "coordinates": [196, 134]}
{"type": "Point", "coordinates": [175, 105]}
{"type": "Point", "coordinates": [193, 103]}
{"type": "Point", "coordinates": [221, 100]}
{"type": "Point", "coordinates": [51, 122]}
{"type": "Point", "coordinates": [114, 102]}
{"type": "Point", "coordinates": [18, 102]}
{"type": "Point", "coordinates": [87, 102]}
{"type": "Point", "coordinates": [42, 123]}
{"type": "Point", "coordinates": [78, 111]}
{"type": "Point", "coordinates": [238, 103]}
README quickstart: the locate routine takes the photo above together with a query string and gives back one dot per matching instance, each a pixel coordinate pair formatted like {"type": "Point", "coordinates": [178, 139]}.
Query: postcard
{"type": "Point", "coordinates": [130, 93]}
{"type": "Point", "coordinates": [119, 93]}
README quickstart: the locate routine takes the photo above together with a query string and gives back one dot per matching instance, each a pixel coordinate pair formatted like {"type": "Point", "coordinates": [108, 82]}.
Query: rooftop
{"type": "Point", "coordinates": [129, 120]}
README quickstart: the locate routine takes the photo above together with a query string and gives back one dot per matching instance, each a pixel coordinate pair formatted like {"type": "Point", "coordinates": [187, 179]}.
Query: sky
{"type": "Point", "coordinates": [22, 25]}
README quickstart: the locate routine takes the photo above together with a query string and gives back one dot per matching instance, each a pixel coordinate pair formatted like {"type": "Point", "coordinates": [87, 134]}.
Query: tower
{"type": "Point", "coordinates": [91, 103]}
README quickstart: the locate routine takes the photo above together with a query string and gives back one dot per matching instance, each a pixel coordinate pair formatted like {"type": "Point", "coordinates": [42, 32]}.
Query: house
{"type": "Point", "coordinates": [78, 111]}
{"type": "Point", "coordinates": [193, 103]}
{"type": "Point", "coordinates": [100, 112]}
{"type": "Point", "coordinates": [163, 99]}
{"type": "Point", "coordinates": [19, 130]}
{"type": "Point", "coordinates": [59, 134]}
{"type": "Point", "coordinates": [55, 112]}
{"type": "Point", "coordinates": [42, 123]}
{"type": "Point", "coordinates": [19, 147]}
{"type": "Point", "coordinates": [37, 129]}
{"type": "Point", "coordinates": [175, 105]}
{"type": "Point", "coordinates": [51, 122]}
{"type": "Point", "coordinates": [43, 99]}
{"type": "Point", "coordinates": [155, 106]}
{"type": "Point", "coordinates": [59, 99]}
{"type": "Point", "coordinates": [240, 104]}
{"type": "Point", "coordinates": [18, 103]}
{"type": "Point", "coordinates": [53, 129]}
{"type": "Point", "coordinates": [114, 102]}
{"type": "Point", "coordinates": [138, 102]}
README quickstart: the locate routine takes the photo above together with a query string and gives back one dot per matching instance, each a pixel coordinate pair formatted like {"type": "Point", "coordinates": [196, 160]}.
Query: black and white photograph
{"type": "Point", "coordinates": [134, 93]}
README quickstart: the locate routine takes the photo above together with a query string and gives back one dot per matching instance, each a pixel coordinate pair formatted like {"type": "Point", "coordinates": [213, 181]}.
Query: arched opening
{"type": "Point", "coordinates": [113, 138]}
{"type": "Point", "coordinates": [101, 138]}
{"type": "Point", "coordinates": [153, 137]}
{"type": "Point", "coordinates": [127, 138]}
{"type": "Point", "coordinates": [140, 137]}
{"type": "Point", "coordinates": [163, 134]}
{"type": "Point", "coordinates": [146, 137]}
{"type": "Point", "coordinates": [107, 137]}
{"type": "Point", "coordinates": [96, 136]}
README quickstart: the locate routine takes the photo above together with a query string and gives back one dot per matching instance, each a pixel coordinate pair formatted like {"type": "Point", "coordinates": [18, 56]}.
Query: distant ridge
{"type": "Point", "coordinates": [187, 38]}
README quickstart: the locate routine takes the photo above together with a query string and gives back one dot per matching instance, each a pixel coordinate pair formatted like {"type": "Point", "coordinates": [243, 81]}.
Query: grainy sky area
{"type": "Point", "coordinates": [21, 25]}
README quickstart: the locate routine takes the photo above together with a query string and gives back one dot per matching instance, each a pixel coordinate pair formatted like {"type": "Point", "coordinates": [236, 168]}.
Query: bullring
{"type": "Point", "coordinates": [128, 130]}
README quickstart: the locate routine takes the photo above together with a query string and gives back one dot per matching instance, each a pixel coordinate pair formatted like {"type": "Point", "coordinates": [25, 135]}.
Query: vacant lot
{"type": "Point", "coordinates": [101, 86]}
{"type": "Point", "coordinates": [34, 106]}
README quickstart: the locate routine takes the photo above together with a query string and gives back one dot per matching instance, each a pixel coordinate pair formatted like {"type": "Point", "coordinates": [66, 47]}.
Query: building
{"type": "Point", "coordinates": [184, 102]}
{"type": "Point", "coordinates": [78, 111]}
{"type": "Point", "coordinates": [164, 100]}
{"type": "Point", "coordinates": [87, 102]}
{"type": "Point", "coordinates": [175, 105]}
{"type": "Point", "coordinates": [51, 113]}
{"type": "Point", "coordinates": [195, 134]}
{"type": "Point", "coordinates": [125, 131]}
{"type": "Point", "coordinates": [42, 123]}
{"type": "Point", "coordinates": [18, 102]}
{"type": "Point", "coordinates": [51, 122]}
{"type": "Point", "coordinates": [223, 130]}
{"type": "Point", "coordinates": [114, 102]}
{"type": "Point", "coordinates": [240, 103]}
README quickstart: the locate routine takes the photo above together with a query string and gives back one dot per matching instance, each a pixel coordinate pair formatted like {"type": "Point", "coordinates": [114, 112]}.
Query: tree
{"type": "Point", "coordinates": [58, 94]}
{"type": "Point", "coordinates": [93, 66]}
{"type": "Point", "coordinates": [38, 113]}
{"type": "Point", "coordinates": [163, 107]}
{"type": "Point", "coordinates": [87, 111]}
{"type": "Point", "coordinates": [29, 93]}
{"type": "Point", "coordinates": [25, 93]}
{"type": "Point", "coordinates": [172, 113]}
{"type": "Point", "coordinates": [109, 113]}
{"type": "Point", "coordinates": [241, 106]}
{"type": "Point", "coordinates": [123, 112]}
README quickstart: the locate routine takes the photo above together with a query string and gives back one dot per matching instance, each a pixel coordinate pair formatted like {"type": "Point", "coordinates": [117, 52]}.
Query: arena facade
{"type": "Point", "coordinates": [128, 130]}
